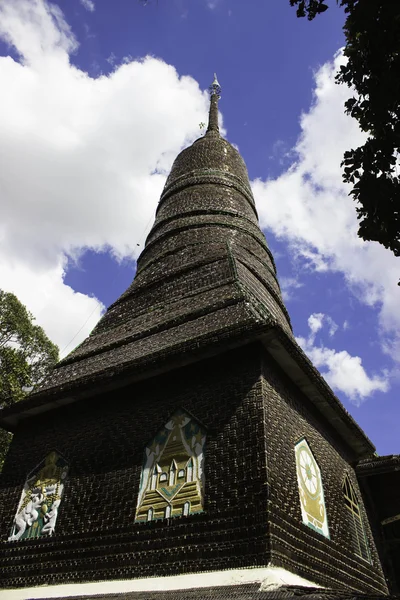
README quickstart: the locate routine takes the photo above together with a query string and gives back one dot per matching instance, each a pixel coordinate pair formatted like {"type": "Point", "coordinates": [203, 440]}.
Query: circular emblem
{"type": "Point", "coordinates": [308, 471]}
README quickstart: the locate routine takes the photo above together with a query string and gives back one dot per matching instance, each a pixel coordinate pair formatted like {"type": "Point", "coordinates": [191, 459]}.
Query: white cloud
{"type": "Point", "coordinates": [83, 160]}
{"type": "Point", "coordinates": [333, 327]}
{"type": "Point", "coordinates": [344, 372]}
{"type": "Point", "coordinates": [315, 322]}
{"type": "Point", "coordinates": [112, 59]}
{"type": "Point", "coordinates": [88, 4]}
{"type": "Point", "coordinates": [308, 206]}
{"type": "Point", "coordinates": [56, 306]}
{"type": "Point", "coordinates": [38, 31]}
{"type": "Point", "coordinates": [288, 284]}
{"type": "Point", "coordinates": [88, 33]}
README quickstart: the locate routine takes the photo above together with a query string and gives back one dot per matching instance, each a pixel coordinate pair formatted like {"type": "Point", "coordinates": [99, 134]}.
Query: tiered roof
{"type": "Point", "coordinates": [206, 282]}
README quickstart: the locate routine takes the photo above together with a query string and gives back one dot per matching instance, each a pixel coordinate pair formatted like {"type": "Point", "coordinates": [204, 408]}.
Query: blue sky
{"type": "Point", "coordinates": [89, 129]}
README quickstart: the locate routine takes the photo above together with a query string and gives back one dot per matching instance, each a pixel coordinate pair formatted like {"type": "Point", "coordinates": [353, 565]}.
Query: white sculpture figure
{"type": "Point", "coordinates": [50, 518]}
{"type": "Point", "coordinates": [40, 498]}
{"type": "Point", "coordinates": [28, 515]}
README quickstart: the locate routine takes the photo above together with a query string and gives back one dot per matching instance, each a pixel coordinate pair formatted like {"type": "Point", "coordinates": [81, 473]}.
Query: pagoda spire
{"type": "Point", "coordinates": [215, 95]}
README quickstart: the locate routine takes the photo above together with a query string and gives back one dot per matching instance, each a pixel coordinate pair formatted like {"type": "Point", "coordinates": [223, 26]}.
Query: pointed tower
{"type": "Point", "coordinates": [189, 434]}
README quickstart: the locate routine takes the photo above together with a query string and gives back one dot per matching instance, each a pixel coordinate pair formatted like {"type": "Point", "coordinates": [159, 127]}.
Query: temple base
{"type": "Point", "coordinates": [264, 579]}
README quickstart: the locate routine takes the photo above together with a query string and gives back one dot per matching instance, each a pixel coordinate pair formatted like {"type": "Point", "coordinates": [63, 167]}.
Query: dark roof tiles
{"type": "Point", "coordinates": [206, 232]}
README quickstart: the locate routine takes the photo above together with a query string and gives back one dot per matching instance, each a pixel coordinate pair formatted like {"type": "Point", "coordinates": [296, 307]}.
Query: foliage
{"type": "Point", "coordinates": [372, 30]}
{"type": "Point", "coordinates": [26, 355]}
{"type": "Point", "coordinates": [5, 441]}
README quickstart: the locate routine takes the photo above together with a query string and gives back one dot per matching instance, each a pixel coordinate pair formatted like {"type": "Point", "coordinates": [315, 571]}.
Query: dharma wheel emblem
{"type": "Point", "coordinates": [311, 491]}
{"type": "Point", "coordinates": [308, 472]}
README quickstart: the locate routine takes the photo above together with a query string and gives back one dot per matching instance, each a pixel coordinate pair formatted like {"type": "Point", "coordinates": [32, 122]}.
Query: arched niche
{"type": "Point", "coordinates": [172, 479]}
{"type": "Point", "coordinates": [311, 490]}
{"type": "Point", "coordinates": [40, 500]}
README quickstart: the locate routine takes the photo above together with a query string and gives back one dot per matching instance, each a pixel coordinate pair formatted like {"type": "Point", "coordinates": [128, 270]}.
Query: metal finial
{"type": "Point", "coordinates": [215, 88]}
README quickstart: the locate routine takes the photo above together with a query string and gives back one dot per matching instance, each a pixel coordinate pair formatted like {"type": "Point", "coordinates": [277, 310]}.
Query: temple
{"type": "Point", "coordinates": [188, 448]}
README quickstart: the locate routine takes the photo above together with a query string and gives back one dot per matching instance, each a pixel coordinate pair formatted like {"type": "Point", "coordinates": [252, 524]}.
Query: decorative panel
{"type": "Point", "coordinates": [310, 489]}
{"type": "Point", "coordinates": [172, 481]}
{"type": "Point", "coordinates": [40, 499]}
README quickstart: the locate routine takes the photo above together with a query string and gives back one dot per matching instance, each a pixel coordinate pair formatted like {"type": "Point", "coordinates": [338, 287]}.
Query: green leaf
{"type": "Point", "coordinates": [26, 354]}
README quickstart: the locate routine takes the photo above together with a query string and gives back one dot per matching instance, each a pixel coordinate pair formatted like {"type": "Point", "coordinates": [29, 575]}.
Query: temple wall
{"type": "Point", "coordinates": [253, 417]}
{"type": "Point", "coordinates": [103, 440]}
{"type": "Point", "coordinates": [332, 562]}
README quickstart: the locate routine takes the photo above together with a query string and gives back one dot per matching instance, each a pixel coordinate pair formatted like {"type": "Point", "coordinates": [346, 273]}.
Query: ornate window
{"type": "Point", "coordinates": [167, 511]}
{"type": "Point", "coordinates": [181, 473]}
{"type": "Point", "coordinates": [189, 470]}
{"type": "Point", "coordinates": [356, 527]}
{"type": "Point", "coordinates": [186, 509]}
{"type": "Point", "coordinates": [150, 513]}
{"type": "Point", "coordinates": [163, 477]}
{"type": "Point", "coordinates": [172, 472]}
{"type": "Point", "coordinates": [154, 478]}
{"type": "Point", "coordinates": [311, 491]}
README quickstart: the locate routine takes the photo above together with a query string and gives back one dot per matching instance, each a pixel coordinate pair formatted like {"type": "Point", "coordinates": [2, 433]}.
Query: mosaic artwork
{"type": "Point", "coordinates": [172, 481]}
{"type": "Point", "coordinates": [40, 499]}
{"type": "Point", "coordinates": [310, 489]}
